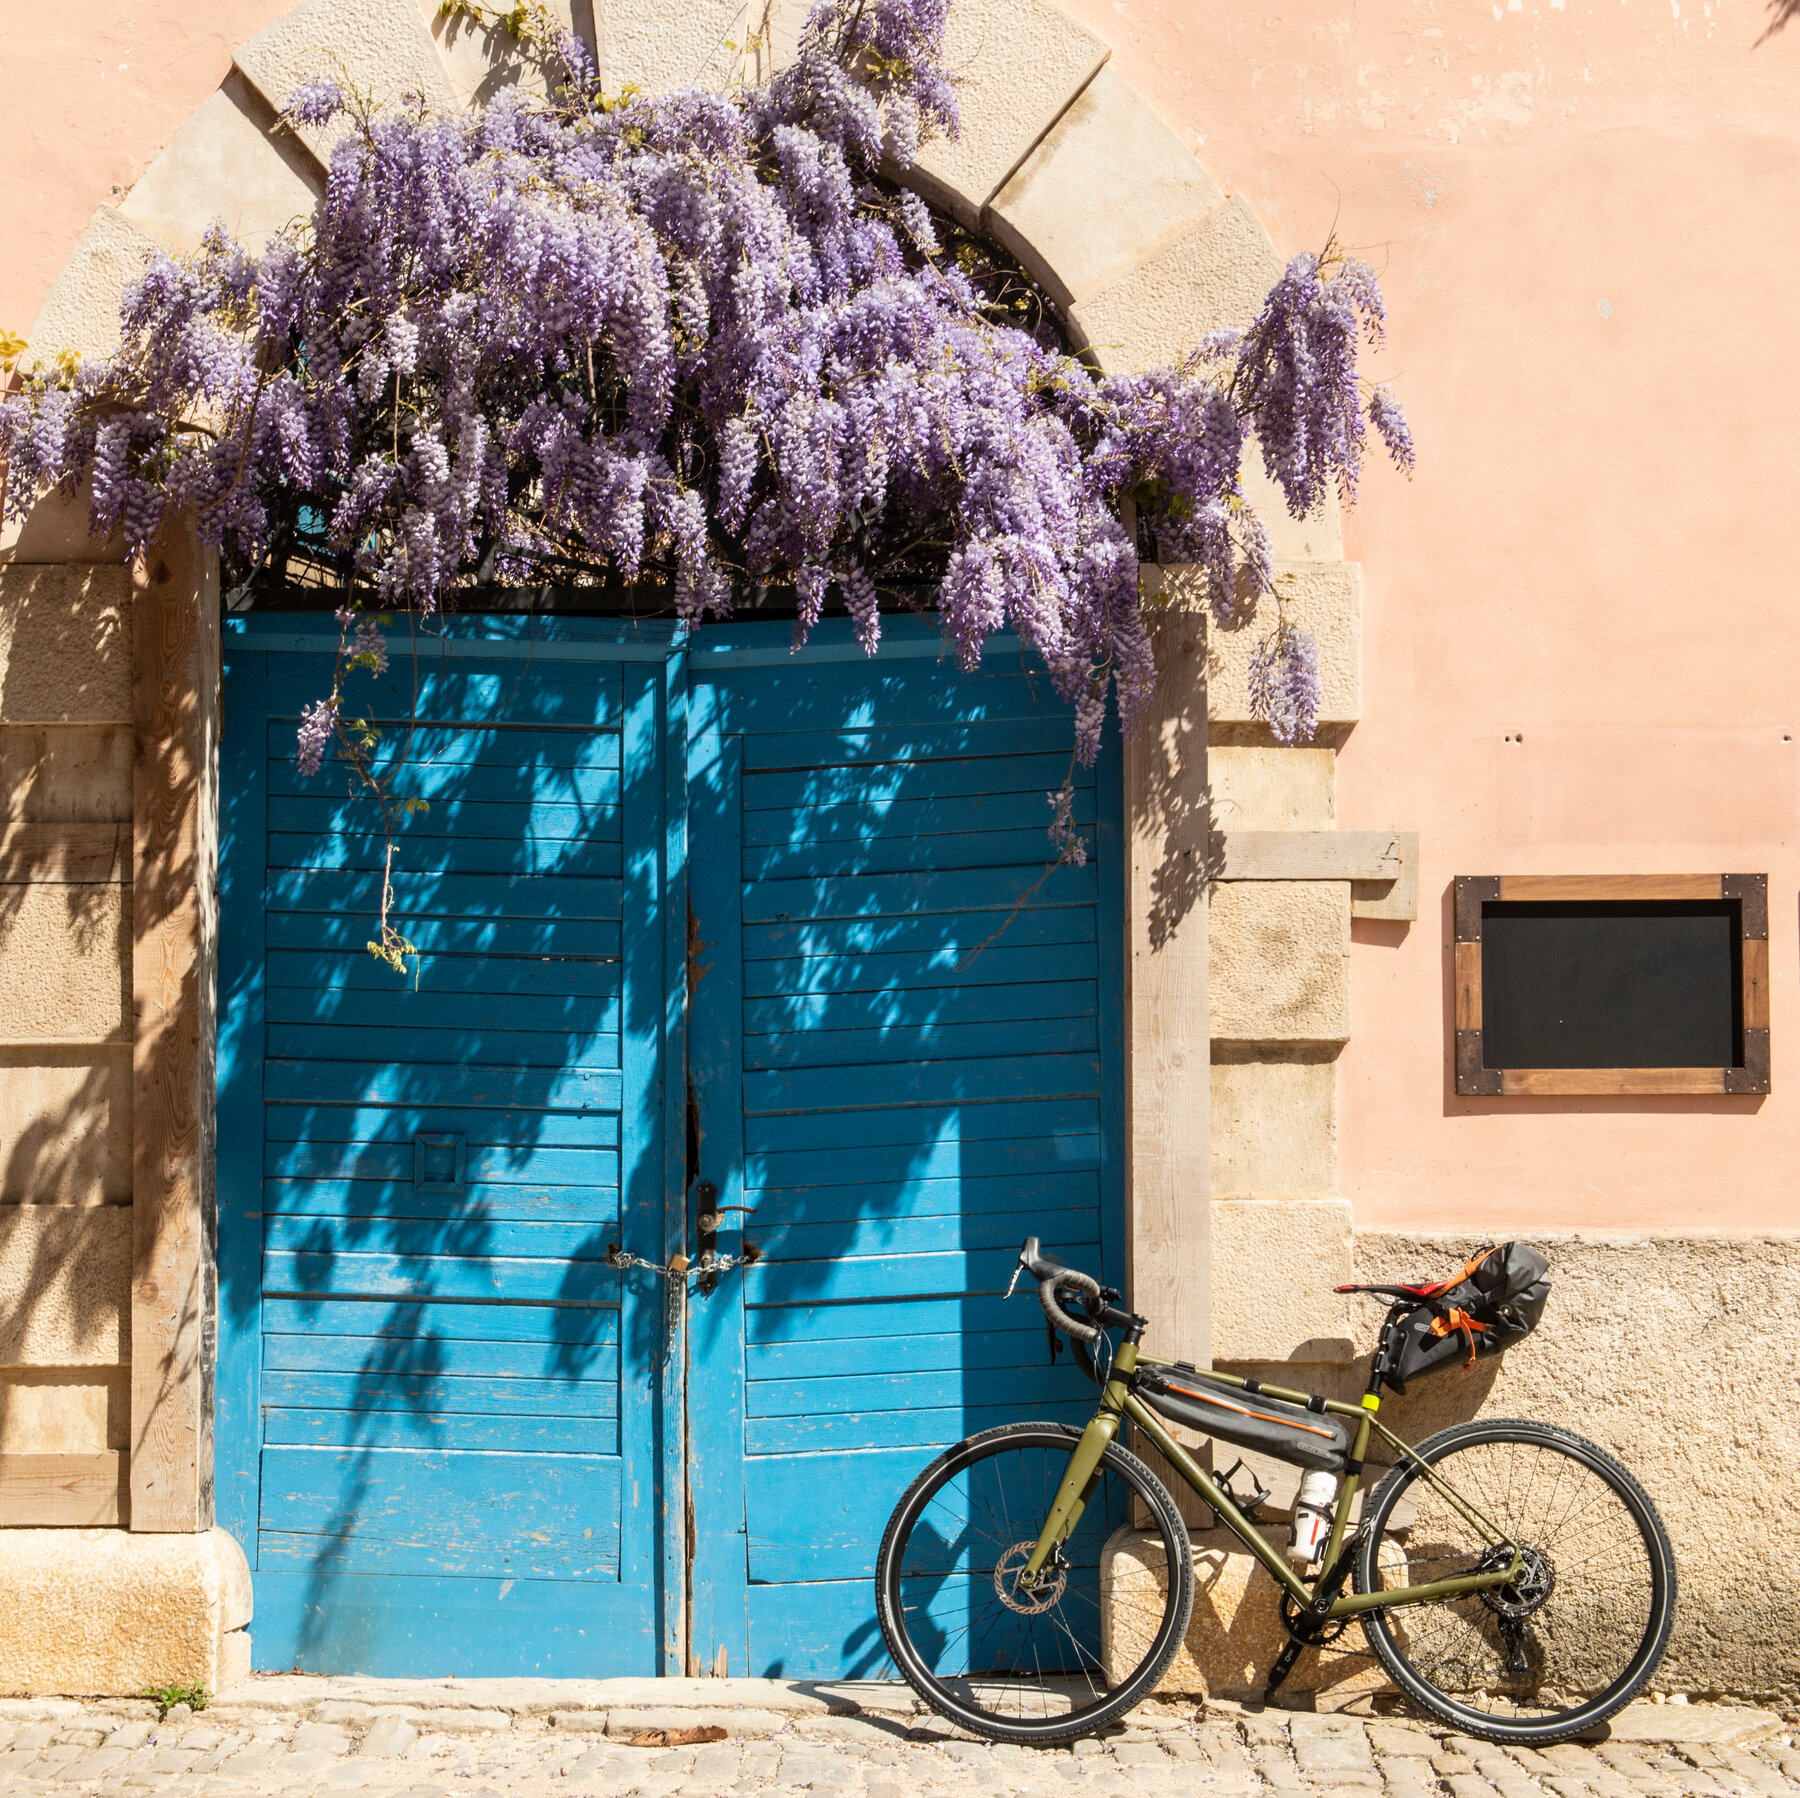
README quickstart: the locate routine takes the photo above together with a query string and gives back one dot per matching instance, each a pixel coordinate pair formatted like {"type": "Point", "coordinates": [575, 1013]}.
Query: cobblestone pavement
{"type": "Point", "coordinates": [122, 1747]}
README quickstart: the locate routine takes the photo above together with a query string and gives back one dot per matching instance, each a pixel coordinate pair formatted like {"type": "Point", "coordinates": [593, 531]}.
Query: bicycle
{"type": "Point", "coordinates": [1035, 1581]}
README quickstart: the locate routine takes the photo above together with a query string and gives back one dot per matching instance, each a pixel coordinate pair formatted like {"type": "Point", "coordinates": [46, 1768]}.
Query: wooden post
{"type": "Point", "coordinates": [175, 647]}
{"type": "Point", "coordinates": [1168, 820]}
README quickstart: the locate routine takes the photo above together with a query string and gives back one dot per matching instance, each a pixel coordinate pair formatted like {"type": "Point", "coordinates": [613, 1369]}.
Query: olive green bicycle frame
{"type": "Point", "coordinates": [1117, 1402]}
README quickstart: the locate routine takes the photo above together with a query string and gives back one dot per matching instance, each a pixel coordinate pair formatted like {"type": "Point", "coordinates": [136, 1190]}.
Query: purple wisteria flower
{"type": "Point", "coordinates": [1284, 683]}
{"type": "Point", "coordinates": [702, 340]}
{"type": "Point", "coordinates": [318, 724]}
{"type": "Point", "coordinates": [314, 102]}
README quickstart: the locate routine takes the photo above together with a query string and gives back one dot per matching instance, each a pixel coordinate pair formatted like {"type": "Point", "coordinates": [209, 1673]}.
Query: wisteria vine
{"type": "Point", "coordinates": [708, 341]}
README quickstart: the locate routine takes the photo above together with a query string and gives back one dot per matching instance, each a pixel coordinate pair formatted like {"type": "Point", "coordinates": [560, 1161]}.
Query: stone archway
{"type": "Point", "coordinates": [1062, 161]}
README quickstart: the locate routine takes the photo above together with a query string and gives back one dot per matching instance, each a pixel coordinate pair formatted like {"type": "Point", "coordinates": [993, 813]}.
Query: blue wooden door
{"type": "Point", "coordinates": [446, 1423]}
{"type": "Point", "coordinates": [904, 1045]}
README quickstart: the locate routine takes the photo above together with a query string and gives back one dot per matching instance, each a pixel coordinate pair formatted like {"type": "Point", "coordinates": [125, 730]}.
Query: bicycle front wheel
{"type": "Point", "coordinates": [1056, 1659]}
{"type": "Point", "coordinates": [1576, 1634]}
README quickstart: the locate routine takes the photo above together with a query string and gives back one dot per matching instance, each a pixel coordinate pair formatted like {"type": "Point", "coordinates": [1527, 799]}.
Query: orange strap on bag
{"type": "Point", "coordinates": [1468, 1272]}
{"type": "Point", "coordinates": [1460, 1323]}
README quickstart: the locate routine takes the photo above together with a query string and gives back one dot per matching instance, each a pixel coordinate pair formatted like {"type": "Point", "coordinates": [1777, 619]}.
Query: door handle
{"type": "Point", "coordinates": [709, 1221]}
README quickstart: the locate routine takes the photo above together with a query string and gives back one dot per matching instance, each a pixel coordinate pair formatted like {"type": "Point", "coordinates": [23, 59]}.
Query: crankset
{"type": "Point", "coordinates": [1310, 1625]}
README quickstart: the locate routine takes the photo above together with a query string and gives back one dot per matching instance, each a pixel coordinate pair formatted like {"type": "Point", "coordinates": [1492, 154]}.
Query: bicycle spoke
{"type": "Point", "coordinates": [1570, 1631]}
{"type": "Point", "coordinates": [989, 1648]}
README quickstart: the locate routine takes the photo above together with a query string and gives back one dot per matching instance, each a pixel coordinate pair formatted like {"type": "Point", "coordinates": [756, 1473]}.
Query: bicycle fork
{"type": "Point", "coordinates": [1084, 1469]}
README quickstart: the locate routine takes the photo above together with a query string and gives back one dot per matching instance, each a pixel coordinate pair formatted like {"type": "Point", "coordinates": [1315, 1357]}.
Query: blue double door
{"type": "Point", "coordinates": [701, 929]}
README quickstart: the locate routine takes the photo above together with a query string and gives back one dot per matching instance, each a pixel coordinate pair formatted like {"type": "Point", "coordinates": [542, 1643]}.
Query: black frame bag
{"type": "Point", "coordinates": [1498, 1299]}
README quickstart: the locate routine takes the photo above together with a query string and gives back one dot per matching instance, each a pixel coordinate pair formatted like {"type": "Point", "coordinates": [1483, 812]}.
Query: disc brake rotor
{"type": "Point", "coordinates": [1529, 1592]}
{"type": "Point", "coordinates": [1031, 1601]}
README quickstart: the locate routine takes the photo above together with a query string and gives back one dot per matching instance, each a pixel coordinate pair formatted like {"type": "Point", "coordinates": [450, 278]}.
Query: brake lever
{"type": "Point", "coordinates": [1011, 1285]}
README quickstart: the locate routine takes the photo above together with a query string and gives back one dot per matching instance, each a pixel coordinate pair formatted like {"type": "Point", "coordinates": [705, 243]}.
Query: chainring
{"type": "Point", "coordinates": [1305, 1628]}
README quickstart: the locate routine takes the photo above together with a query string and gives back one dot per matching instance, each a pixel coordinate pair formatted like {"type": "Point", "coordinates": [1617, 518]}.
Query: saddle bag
{"type": "Point", "coordinates": [1287, 1432]}
{"type": "Point", "coordinates": [1497, 1300]}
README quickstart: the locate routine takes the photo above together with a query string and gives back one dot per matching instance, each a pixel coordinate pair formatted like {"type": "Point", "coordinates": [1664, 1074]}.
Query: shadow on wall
{"type": "Point", "coordinates": [65, 997]}
{"type": "Point", "coordinates": [1781, 12]}
{"type": "Point", "coordinates": [1169, 777]}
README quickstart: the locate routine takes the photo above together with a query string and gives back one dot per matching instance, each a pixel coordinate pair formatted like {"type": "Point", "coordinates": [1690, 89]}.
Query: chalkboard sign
{"type": "Point", "coordinates": [1611, 984]}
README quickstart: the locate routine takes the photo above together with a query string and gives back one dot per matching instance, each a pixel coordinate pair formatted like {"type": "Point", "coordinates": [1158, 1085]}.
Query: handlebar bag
{"type": "Point", "coordinates": [1499, 1300]}
{"type": "Point", "coordinates": [1289, 1433]}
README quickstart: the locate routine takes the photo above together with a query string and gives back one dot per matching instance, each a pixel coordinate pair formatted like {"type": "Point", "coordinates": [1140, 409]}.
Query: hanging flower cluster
{"type": "Point", "coordinates": [705, 340]}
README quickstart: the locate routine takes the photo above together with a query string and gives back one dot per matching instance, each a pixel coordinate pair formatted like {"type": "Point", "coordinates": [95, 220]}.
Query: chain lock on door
{"type": "Point", "coordinates": [678, 1269]}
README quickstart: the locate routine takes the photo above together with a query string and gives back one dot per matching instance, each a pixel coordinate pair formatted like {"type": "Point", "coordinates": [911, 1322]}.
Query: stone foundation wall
{"type": "Point", "coordinates": [1679, 1357]}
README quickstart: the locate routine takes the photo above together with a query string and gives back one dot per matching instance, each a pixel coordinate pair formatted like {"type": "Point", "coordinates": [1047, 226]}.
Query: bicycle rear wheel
{"type": "Point", "coordinates": [1046, 1664]}
{"type": "Point", "coordinates": [1574, 1637]}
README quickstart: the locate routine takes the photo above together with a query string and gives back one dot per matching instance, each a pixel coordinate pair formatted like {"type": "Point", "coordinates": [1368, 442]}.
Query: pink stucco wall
{"type": "Point", "coordinates": [1581, 211]}
{"type": "Point", "coordinates": [89, 92]}
{"type": "Point", "coordinates": [1583, 214]}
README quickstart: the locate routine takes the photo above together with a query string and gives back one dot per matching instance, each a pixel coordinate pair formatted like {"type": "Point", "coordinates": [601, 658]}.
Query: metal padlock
{"type": "Point", "coordinates": [678, 1264]}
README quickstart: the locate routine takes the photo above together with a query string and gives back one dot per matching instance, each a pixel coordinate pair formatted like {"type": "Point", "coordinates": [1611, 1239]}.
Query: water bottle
{"type": "Point", "coordinates": [1312, 1516]}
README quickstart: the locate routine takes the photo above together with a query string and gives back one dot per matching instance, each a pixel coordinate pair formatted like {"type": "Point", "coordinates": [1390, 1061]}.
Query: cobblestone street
{"type": "Point", "coordinates": [785, 1739]}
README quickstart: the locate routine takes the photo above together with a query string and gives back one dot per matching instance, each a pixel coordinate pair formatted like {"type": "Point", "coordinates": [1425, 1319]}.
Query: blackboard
{"type": "Point", "coordinates": [1611, 984]}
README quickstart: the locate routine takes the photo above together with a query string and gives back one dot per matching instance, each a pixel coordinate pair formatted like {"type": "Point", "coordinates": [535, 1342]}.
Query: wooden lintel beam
{"type": "Point", "coordinates": [175, 705]}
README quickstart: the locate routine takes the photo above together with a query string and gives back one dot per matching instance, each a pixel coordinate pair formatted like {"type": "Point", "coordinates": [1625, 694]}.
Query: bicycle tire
{"type": "Point", "coordinates": [940, 1559]}
{"type": "Point", "coordinates": [1497, 1635]}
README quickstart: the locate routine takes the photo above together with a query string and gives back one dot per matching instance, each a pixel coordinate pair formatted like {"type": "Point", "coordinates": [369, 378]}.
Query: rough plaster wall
{"type": "Point", "coordinates": [1274, 1121]}
{"type": "Point", "coordinates": [1280, 961]}
{"type": "Point", "coordinates": [64, 1410]}
{"type": "Point", "coordinates": [65, 959]}
{"type": "Point", "coordinates": [1673, 1355]}
{"type": "Point", "coordinates": [65, 1125]}
{"type": "Point", "coordinates": [65, 644]}
{"type": "Point", "coordinates": [65, 773]}
{"type": "Point", "coordinates": [65, 1284]}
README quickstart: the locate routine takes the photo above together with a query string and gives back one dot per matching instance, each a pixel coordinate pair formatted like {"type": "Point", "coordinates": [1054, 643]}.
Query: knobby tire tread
{"type": "Point", "coordinates": [1565, 1725]}
{"type": "Point", "coordinates": [1142, 1681]}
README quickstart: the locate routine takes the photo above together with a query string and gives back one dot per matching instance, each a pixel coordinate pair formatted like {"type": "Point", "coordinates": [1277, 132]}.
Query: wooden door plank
{"type": "Point", "coordinates": [175, 651]}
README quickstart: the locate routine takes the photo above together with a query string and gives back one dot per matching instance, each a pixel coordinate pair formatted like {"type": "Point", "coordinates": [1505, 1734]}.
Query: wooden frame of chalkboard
{"type": "Point", "coordinates": [1743, 899]}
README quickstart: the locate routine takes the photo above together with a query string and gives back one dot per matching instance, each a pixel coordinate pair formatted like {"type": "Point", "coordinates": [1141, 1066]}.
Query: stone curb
{"type": "Point", "coordinates": [746, 1707]}
{"type": "Point", "coordinates": [575, 1704]}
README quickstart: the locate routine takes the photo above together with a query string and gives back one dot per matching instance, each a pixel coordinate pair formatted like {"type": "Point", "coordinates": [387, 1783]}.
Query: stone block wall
{"type": "Point", "coordinates": [65, 1039]}
{"type": "Point", "coordinates": [101, 1590]}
